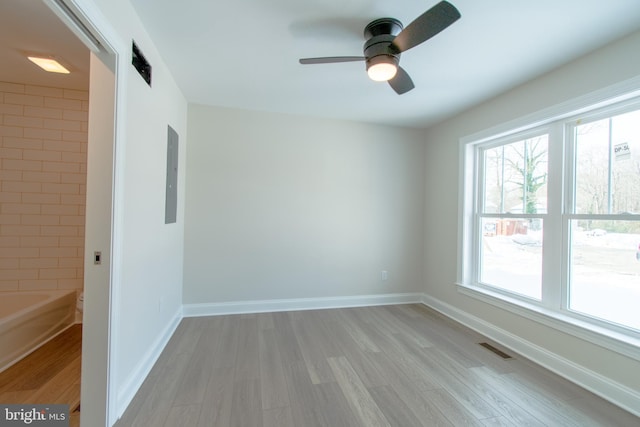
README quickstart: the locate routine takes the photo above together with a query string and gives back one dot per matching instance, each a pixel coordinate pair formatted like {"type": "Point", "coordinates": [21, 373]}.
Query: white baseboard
{"type": "Point", "coordinates": [612, 391]}
{"type": "Point", "coordinates": [265, 306]}
{"type": "Point", "coordinates": [132, 385]}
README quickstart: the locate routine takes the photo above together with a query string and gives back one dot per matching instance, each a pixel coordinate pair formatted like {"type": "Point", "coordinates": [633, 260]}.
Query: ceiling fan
{"type": "Point", "coordinates": [386, 40]}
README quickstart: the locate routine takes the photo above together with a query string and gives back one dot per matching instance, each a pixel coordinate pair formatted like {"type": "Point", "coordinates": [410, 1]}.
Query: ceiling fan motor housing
{"type": "Point", "coordinates": [388, 26]}
{"type": "Point", "coordinates": [379, 34]}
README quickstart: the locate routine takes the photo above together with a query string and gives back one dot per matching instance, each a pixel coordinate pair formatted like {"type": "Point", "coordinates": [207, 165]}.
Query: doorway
{"type": "Point", "coordinates": [100, 71]}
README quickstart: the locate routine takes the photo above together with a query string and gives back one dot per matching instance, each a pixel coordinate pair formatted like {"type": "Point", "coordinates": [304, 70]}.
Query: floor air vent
{"type": "Point", "coordinates": [495, 350]}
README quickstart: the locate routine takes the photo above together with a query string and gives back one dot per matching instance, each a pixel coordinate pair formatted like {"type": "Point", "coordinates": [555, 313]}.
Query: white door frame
{"type": "Point", "coordinates": [100, 327]}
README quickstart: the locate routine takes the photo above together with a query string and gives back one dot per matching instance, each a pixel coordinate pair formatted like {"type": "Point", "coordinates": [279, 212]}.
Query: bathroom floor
{"type": "Point", "coordinates": [50, 374]}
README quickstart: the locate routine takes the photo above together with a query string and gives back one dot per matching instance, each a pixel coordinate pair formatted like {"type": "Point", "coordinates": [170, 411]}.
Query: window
{"type": "Point", "coordinates": [603, 217]}
{"type": "Point", "coordinates": [551, 217]}
{"type": "Point", "coordinates": [511, 214]}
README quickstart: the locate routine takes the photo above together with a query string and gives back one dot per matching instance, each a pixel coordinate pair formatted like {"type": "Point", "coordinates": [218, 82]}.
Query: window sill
{"type": "Point", "coordinates": [611, 340]}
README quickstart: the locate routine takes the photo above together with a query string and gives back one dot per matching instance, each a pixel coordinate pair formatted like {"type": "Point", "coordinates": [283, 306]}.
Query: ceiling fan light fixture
{"type": "Point", "coordinates": [48, 64]}
{"type": "Point", "coordinates": [386, 39]}
{"type": "Point", "coordinates": [382, 68]}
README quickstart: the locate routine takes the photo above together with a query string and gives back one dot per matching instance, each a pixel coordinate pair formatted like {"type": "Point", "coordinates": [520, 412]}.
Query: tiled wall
{"type": "Point", "coordinates": [43, 155]}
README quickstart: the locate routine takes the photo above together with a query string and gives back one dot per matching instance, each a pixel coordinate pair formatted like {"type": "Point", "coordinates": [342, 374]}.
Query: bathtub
{"type": "Point", "coordinates": [30, 319]}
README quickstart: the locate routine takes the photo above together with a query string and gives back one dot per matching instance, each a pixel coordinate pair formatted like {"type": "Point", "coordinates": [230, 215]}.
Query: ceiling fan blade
{"type": "Point", "coordinates": [331, 59]}
{"type": "Point", "coordinates": [426, 26]}
{"type": "Point", "coordinates": [401, 83]}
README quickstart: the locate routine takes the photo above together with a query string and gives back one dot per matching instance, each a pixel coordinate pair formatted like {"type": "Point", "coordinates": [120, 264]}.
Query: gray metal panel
{"type": "Point", "coordinates": [171, 201]}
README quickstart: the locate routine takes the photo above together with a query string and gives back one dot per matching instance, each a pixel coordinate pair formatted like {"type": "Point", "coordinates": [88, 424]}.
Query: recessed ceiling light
{"type": "Point", "coordinates": [48, 64]}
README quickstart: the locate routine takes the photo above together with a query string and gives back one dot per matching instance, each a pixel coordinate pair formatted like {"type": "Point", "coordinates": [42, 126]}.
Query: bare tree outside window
{"type": "Point", "coordinates": [516, 177]}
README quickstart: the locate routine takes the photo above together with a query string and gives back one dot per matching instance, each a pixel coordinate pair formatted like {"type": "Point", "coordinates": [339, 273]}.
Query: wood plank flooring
{"type": "Point", "coordinates": [401, 366]}
{"type": "Point", "coordinates": [49, 375]}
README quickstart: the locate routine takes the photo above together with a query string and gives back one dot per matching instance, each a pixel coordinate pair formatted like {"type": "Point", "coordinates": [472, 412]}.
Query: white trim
{"type": "Point", "coordinates": [295, 304]}
{"type": "Point", "coordinates": [614, 392]}
{"type": "Point", "coordinates": [609, 95]}
{"type": "Point", "coordinates": [113, 52]}
{"type": "Point", "coordinates": [117, 243]}
{"type": "Point", "coordinates": [466, 196]}
{"type": "Point", "coordinates": [129, 389]}
{"type": "Point", "coordinates": [74, 23]}
{"type": "Point", "coordinates": [603, 337]}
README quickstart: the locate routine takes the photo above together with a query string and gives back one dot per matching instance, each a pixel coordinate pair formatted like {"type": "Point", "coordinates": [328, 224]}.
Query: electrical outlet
{"type": "Point", "coordinates": [384, 275]}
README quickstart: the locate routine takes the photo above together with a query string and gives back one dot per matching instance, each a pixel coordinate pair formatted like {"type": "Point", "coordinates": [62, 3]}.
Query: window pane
{"type": "Point", "coordinates": [515, 178]}
{"type": "Point", "coordinates": [511, 255]}
{"type": "Point", "coordinates": [605, 270]}
{"type": "Point", "coordinates": [608, 165]}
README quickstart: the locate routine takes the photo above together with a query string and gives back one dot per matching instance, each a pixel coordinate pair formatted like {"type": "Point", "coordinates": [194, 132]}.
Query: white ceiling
{"type": "Point", "coordinates": [244, 54]}
{"type": "Point", "coordinates": [29, 26]}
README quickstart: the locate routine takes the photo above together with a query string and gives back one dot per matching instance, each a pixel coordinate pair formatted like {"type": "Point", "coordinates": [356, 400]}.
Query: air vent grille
{"type": "Point", "coordinates": [140, 63]}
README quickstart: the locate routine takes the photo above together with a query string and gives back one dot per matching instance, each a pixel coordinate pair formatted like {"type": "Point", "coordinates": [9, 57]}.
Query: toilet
{"type": "Point", "coordinates": [80, 303]}
{"type": "Point", "coordinates": [79, 307]}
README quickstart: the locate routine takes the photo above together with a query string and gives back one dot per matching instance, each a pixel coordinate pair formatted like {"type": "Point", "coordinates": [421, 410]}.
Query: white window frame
{"type": "Point", "coordinates": [479, 205]}
{"type": "Point", "coordinates": [552, 309]}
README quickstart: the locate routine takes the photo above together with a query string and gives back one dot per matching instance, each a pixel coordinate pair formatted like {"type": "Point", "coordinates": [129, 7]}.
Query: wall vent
{"type": "Point", "coordinates": [140, 63]}
{"type": "Point", "coordinates": [495, 350]}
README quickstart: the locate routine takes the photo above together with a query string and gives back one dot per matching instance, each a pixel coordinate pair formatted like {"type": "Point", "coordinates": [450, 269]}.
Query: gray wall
{"type": "Point", "coordinates": [282, 206]}
{"type": "Point", "coordinates": [615, 63]}
{"type": "Point", "coordinates": [147, 277]}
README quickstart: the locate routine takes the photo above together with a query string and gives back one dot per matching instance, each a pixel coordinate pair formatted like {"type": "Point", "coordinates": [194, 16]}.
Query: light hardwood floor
{"type": "Point", "coordinates": [49, 375]}
{"type": "Point", "coordinates": [401, 365]}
